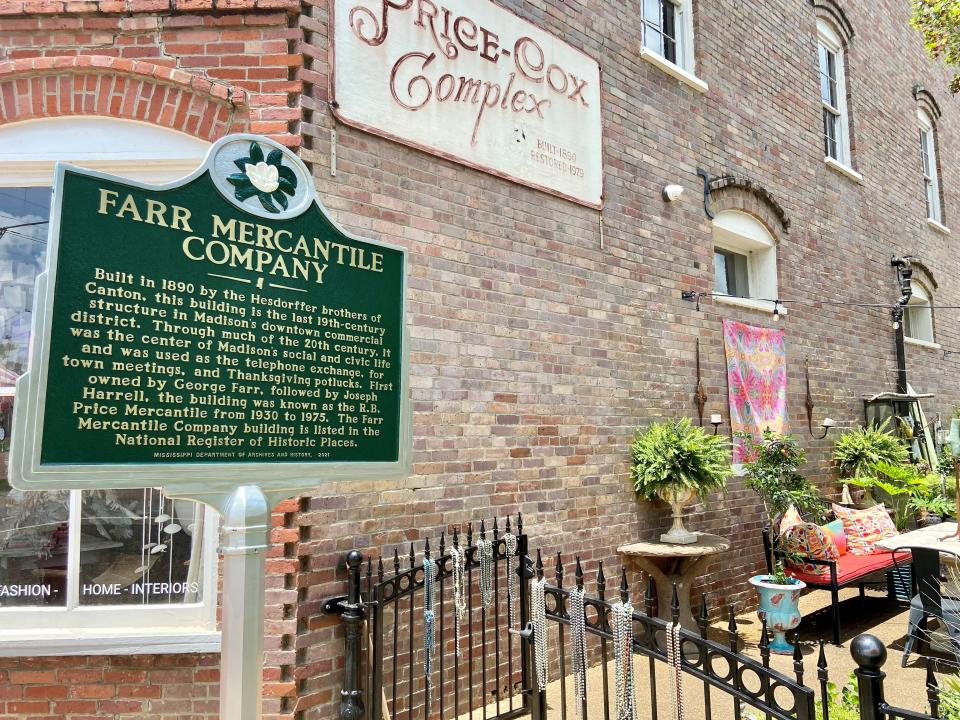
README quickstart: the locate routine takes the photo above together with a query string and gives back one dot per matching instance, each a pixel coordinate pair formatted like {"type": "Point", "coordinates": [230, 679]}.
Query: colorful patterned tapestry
{"type": "Point", "coordinates": [756, 379]}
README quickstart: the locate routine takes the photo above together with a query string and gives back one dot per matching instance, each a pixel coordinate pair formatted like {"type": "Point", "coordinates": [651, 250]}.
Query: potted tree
{"type": "Point", "coordinates": [676, 462]}
{"type": "Point", "coordinates": [772, 470]}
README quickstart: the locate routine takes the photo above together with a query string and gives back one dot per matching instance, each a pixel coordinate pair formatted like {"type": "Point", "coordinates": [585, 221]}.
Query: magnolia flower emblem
{"type": "Point", "coordinates": [266, 178]}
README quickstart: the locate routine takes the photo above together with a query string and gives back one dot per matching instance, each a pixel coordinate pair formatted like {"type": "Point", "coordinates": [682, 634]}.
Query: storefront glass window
{"type": "Point", "coordinates": [128, 559]}
{"type": "Point", "coordinates": [136, 547]}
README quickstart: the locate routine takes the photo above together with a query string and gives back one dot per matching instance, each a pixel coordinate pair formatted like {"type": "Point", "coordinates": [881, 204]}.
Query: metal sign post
{"type": "Point", "coordinates": [245, 534]}
{"type": "Point", "coordinates": [222, 338]}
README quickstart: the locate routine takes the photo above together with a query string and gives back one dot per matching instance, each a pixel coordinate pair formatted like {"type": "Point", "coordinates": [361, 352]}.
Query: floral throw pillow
{"type": "Point", "coordinates": [790, 518]}
{"type": "Point", "coordinates": [809, 540]}
{"type": "Point", "coordinates": [865, 528]}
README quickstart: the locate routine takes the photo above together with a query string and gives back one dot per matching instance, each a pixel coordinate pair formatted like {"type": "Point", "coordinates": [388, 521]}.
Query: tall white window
{"type": "Point", "coordinates": [833, 95]}
{"type": "Point", "coordinates": [744, 261]}
{"type": "Point", "coordinates": [668, 38]}
{"type": "Point", "coordinates": [89, 571]}
{"type": "Point", "coordinates": [662, 33]}
{"type": "Point", "coordinates": [928, 160]}
{"type": "Point", "coordinates": [918, 316]}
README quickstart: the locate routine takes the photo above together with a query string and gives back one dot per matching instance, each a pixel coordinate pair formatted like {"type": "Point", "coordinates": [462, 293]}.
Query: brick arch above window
{"type": "Point", "coordinates": [926, 277]}
{"type": "Point", "coordinates": [35, 88]}
{"type": "Point", "coordinates": [928, 102]}
{"type": "Point", "coordinates": [737, 193]}
{"type": "Point", "coordinates": [833, 13]}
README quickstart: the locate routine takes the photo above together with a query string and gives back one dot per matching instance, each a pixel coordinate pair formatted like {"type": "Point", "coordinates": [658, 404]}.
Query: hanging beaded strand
{"type": "Point", "coordinates": [458, 561]}
{"type": "Point", "coordinates": [485, 549]}
{"type": "Point", "coordinates": [510, 545]}
{"type": "Point", "coordinates": [430, 571]}
{"type": "Point", "coordinates": [622, 618]}
{"type": "Point", "coordinates": [538, 612]}
{"type": "Point", "coordinates": [578, 637]}
{"type": "Point", "coordinates": [674, 655]}
{"type": "Point", "coordinates": [674, 661]}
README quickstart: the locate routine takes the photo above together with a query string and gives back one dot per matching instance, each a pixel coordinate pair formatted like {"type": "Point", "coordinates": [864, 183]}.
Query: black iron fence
{"type": "Point", "coordinates": [452, 633]}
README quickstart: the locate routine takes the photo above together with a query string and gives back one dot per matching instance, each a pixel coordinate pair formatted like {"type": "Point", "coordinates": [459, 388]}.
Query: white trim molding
{"type": "Point", "coordinates": [125, 641]}
{"type": "Point", "coordinates": [843, 169]}
{"type": "Point", "coordinates": [922, 343]}
{"type": "Point", "coordinates": [674, 70]}
{"type": "Point", "coordinates": [939, 227]}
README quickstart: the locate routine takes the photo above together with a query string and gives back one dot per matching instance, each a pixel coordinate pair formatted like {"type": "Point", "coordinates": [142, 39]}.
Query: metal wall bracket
{"type": "Point", "coordinates": [706, 192]}
{"type": "Point", "coordinates": [336, 605]}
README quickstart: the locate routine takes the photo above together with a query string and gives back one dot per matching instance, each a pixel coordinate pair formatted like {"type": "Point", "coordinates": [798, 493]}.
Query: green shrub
{"type": "Point", "coordinates": [843, 702]}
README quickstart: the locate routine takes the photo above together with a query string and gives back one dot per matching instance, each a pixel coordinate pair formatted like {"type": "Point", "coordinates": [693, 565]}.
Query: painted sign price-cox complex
{"type": "Point", "coordinates": [472, 81]}
{"type": "Point", "coordinates": [218, 330]}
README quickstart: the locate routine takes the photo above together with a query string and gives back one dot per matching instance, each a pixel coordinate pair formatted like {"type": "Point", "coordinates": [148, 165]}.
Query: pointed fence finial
{"type": "Point", "coordinates": [764, 642]}
{"type": "Point", "coordinates": [675, 605]}
{"type": "Point", "coordinates": [578, 574]}
{"type": "Point", "coordinates": [703, 620]}
{"type": "Point", "coordinates": [649, 596]}
{"type": "Point", "coordinates": [539, 565]}
{"type": "Point", "coordinates": [558, 571]}
{"type": "Point", "coordinates": [624, 587]}
{"type": "Point", "coordinates": [797, 658]}
{"type": "Point", "coordinates": [519, 523]}
{"type": "Point", "coordinates": [733, 636]}
{"type": "Point", "coordinates": [601, 581]}
{"type": "Point", "coordinates": [396, 561]}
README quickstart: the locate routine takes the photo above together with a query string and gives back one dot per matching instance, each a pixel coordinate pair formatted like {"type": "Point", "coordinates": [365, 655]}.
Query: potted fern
{"type": "Point", "coordinates": [677, 462]}
{"type": "Point", "coordinates": [858, 450]}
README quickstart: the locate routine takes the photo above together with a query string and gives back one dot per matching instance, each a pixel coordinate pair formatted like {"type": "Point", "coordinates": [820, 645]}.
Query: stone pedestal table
{"type": "Point", "coordinates": [669, 564]}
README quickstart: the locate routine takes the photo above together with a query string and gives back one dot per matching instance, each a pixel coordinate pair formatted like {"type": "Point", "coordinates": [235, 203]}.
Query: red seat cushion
{"type": "Point", "coordinates": [850, 567]}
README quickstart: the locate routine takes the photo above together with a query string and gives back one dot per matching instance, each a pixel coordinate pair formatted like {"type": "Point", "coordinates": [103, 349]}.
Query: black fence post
{"type": "Point", "coordinates": [351, 610]}
{"type": "Point", "coordinates": [351, 697]}
{"type": "Point", "coordinates": [869, 654]}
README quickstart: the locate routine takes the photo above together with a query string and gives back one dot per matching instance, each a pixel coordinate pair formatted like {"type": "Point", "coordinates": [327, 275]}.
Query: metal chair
{"type": "Point", "coordinates": [929, 600]}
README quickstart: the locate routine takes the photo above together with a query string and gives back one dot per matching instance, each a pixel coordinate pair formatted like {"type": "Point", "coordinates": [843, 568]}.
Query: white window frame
{"type": "Point", "coordinates": [741, 233]}
{"type": "Point", "coordinates": [140, 151]}
{"type": "Point", "coordinates": [828, 38]}
{"type": "Point", "coordinates": [684, 69]}
{"type": "Point", "coordinates": [923, 327]}
{"type": "Point", "coordinates": [931, 180]}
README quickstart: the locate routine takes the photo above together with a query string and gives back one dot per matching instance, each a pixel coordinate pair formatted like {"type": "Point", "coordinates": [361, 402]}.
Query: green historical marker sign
{"type": "Point", "coordinates": [221, 330]}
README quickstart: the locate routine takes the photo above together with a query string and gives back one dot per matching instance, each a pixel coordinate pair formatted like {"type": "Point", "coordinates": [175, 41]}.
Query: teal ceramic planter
{"type": "Point", "coordinates": [779, 605]}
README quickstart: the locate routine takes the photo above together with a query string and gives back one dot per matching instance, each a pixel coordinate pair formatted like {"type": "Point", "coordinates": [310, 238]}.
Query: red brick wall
{"type": "Point", "coordinates": [537, 350]}
{"type": "Point", "coordinates": [92, 688]}
{"type": "Point", "coordinates": [203, 68]}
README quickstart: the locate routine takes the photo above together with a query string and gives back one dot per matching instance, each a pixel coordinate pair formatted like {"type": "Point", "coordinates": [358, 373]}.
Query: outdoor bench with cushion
{"type": "Point", "coordinates": [847, 570]}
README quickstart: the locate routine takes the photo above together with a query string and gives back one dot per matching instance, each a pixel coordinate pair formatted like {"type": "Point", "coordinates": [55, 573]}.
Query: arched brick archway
{"type": "Point", "coordinates": [34, 88]}
{"type": "Point", "coordinates": [738, 193]}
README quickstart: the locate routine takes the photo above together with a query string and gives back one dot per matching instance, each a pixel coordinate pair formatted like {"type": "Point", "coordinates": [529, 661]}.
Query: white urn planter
{"type": "Point", "coordinates": [678, 499]}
